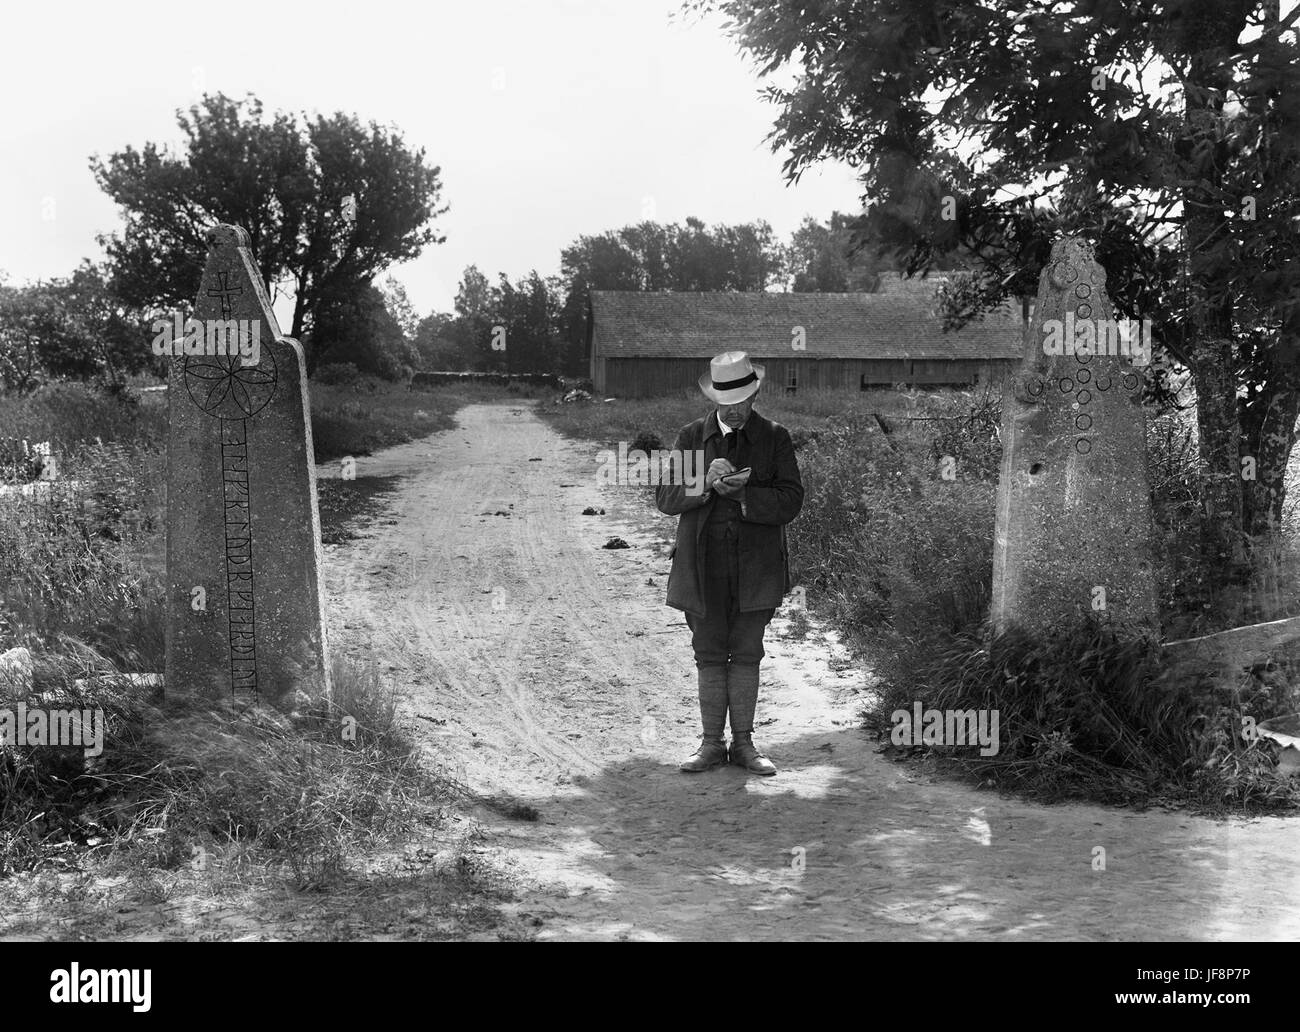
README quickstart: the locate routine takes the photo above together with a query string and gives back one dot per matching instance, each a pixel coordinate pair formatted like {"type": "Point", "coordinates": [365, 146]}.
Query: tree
{"type": "Point", "coordinates": [400, 307]}
{"type": "Point", "coordinates": [655, 256]}
{"type": "Point", "coordinates": [31, 327]}
{"type": "Point", "coordinates": [751, 255]}
{"type": "Point", "coordinates": [285, 183]}
{"type": "Point", "coordinates": [820, 257]}
{"type": "Point", "coordinates": [362, 331]}
{"type": "Point", "coordinates": [109, 335]}
{"type": "Point", "coordinates": [477, 304]}
{"type": "Point", "coordinates": [436, 345]}
{"type": "Point", "coordinates": [74, 327]}
{"type": "Point", "coordinates": [841, 255]}
{"type": "Point", "coordinates": [1161, 131]}
{"type": "Point", "coordinates": [529, 313]}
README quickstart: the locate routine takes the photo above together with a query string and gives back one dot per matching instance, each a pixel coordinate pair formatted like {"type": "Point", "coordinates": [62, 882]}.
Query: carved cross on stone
{"type": "Point", "coordinates": [225, 292]}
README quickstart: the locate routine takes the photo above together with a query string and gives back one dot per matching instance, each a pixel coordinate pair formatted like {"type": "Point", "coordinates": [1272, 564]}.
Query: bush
{"type": "Point", "coordinates": [83, 556]}
{"type": "Point", "coordinates": [1084, 713]}
{"type": "Point", "coordinates": [67, 414]}
{"type": "Point", "coordinates": [646, 441]}
{"type": "Point", "coordinates": [893, 552]}
{"type": "Point", "coordinates": [336, 373]}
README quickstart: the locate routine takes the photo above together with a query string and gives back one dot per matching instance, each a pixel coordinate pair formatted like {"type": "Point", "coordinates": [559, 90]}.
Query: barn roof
{"type": "Point", "coordinates": [898, 323]}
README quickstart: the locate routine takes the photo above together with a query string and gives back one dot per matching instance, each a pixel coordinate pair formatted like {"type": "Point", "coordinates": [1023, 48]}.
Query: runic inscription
{"type": "Point", "coordinates": [239, 554]}
{"type": "Point", "coordinates": [222, 386]}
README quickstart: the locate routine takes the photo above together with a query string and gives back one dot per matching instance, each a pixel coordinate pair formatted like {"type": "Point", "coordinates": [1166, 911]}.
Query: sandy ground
{"type": "Point", "coordinates": [547, 668]}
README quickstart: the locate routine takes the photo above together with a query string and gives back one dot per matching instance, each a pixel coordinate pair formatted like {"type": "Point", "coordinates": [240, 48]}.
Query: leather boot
{"type": "Point", "coordinates": [742, 700]}
{"type": "Point", "coordinates": [712, 750]}
{"type": "Point", "coordinates": [744, 753]}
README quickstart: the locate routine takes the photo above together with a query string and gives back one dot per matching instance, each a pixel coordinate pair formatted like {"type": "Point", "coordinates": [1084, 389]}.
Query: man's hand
{"type": "Point", "coordinates": [717, 468]}
{"type": "Point", "coordinates": [732, 488]}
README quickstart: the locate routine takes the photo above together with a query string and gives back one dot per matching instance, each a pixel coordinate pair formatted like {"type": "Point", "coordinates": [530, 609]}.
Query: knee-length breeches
{"type": "Point", "coordinates": [724, 633]}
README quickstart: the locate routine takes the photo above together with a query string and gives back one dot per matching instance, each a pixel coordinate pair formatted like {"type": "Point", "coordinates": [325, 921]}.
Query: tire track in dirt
{"type": "Point", "coordinates": [489, 662]}
{"type": "Point", "coordinates": [545, 696]}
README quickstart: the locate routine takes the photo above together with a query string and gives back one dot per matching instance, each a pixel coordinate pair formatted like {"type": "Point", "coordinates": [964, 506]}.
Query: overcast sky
{"type": "Point", "coordinates": [549, 118]}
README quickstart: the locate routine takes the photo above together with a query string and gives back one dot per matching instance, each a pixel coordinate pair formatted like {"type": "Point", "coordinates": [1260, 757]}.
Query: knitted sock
{"type": "Point", "coordinates": [713, 700]}
{"type": "Point", "coordinates": [742, 696]}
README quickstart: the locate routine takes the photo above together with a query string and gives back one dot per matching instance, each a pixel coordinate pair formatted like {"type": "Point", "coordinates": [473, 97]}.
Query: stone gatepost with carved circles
{"type": "Point", "coordinates": [1074, 532]}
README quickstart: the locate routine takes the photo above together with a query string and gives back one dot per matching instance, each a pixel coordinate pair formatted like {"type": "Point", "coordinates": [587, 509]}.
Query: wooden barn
{"type": "Point", "coordinates": [647, 344]}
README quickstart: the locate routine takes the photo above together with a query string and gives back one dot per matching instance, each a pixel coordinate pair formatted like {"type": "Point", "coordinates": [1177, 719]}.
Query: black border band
{"type": "Point", "coordinates": [731, 385]}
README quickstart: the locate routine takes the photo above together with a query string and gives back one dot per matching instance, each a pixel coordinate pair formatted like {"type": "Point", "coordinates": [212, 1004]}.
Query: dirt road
{"type": "Point", "coordinates": [548, 668]}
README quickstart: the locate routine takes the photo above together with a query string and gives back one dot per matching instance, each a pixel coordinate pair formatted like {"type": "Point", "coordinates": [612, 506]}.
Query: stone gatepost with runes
{"type": "Point", "coordinates": [245, 613]}
{"type": "Point", "coordinates": [1073, 532]}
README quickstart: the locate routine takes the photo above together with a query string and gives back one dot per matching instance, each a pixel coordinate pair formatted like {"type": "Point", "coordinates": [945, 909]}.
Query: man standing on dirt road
{"type": "Point", "coordinates": [730, 564]}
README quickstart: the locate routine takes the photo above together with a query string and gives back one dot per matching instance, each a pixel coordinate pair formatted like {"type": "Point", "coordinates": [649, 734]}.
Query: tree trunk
{"type": "Point", "coordinates": [1216, 416]}
{"type": "Point", "coordinates": [1269, 436]}
{"type": "Point", "coordinates": [299, 321]}
{"type": "Point", "coordinates": [1210, 331]}
{"type": "Point", "coordinates": [108, 361]}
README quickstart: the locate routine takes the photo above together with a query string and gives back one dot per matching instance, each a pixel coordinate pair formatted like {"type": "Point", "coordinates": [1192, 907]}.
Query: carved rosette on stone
{"type": "Point", "coordinates": [1073, 534]}
{"type": "Point", "coordinates": [245, 614]}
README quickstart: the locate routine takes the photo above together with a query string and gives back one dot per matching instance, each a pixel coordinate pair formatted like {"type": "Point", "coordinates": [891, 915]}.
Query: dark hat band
{"type": "Point", "coordinates": [731, 385]}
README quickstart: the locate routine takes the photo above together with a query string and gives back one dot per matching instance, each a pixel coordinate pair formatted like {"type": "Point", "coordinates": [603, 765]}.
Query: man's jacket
{"type": "Point", "coordinates": [771, 499]}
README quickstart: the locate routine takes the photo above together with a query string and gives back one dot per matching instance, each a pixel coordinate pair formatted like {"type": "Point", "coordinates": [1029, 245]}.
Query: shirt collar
{"type": "Point", "coordinates": [717, 426]}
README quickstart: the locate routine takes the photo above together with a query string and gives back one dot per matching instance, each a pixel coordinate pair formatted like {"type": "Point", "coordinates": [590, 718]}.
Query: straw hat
{"type": "Point", "coordinates": [731, 378]}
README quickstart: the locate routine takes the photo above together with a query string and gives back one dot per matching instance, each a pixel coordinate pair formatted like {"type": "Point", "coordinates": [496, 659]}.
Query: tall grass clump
{"type": "Point", "coordinates": [82, 555]}
{"type": "Point", "coordinates": [1085, 713]}
{"type": "Point", "coordinates": [69, 414]}
{"type": "Point", "coordinates": [192, 781]}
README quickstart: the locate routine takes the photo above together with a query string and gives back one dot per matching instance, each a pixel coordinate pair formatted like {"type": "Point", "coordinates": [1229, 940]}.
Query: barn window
{"type": "Point", "coordinates": [792, 381]}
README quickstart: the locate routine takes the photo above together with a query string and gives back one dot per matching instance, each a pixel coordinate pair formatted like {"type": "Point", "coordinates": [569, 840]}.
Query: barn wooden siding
{"type": "Point", "coordinates": [652, 377]}
{"type": "Point", "coordinates": [647, 344]}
